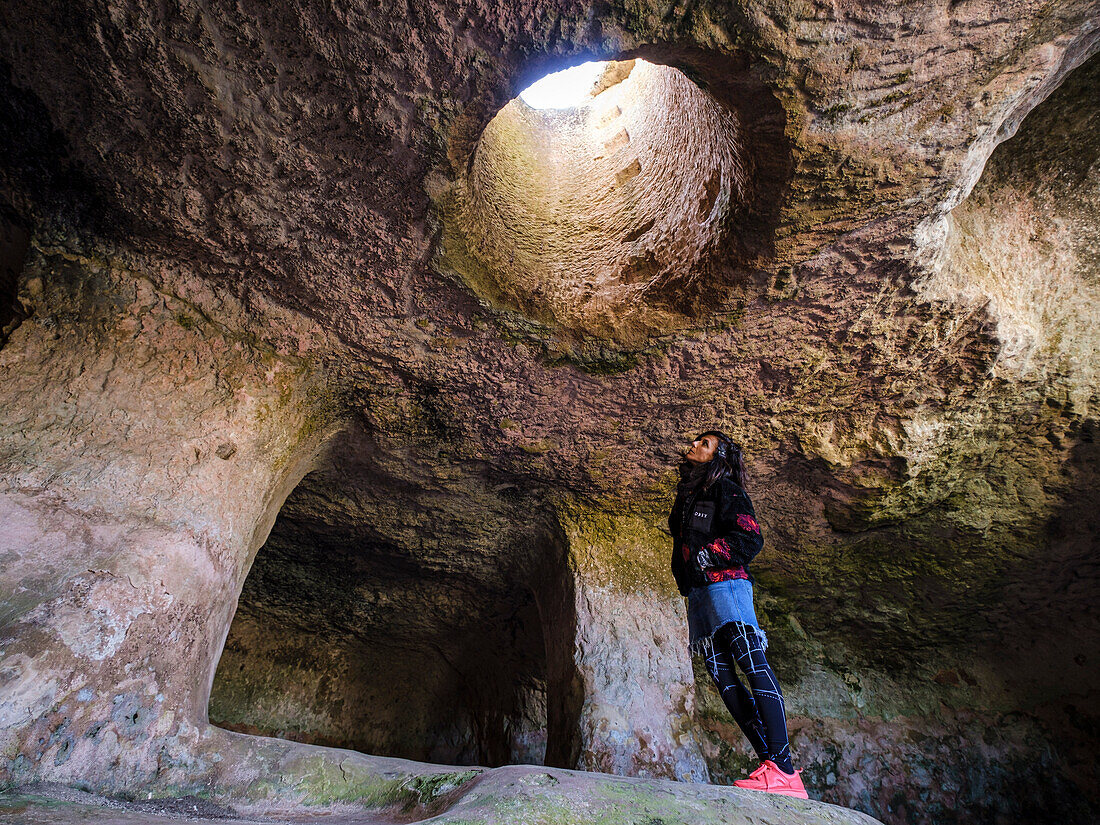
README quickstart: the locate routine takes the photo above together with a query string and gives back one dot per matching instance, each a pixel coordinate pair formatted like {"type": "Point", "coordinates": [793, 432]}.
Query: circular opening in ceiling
{"type": "Point", "coordinates": [611, 216]}
{"type": "Point", "coordinates": [565, 89]}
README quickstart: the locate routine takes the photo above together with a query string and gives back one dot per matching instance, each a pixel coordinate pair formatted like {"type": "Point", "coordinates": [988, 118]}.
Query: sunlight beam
{"type": "Point", "coordinates": [565, 89]}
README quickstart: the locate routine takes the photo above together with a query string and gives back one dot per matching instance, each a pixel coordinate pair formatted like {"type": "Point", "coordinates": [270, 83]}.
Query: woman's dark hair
{"type": "Point", "coordinates": [728, 462]}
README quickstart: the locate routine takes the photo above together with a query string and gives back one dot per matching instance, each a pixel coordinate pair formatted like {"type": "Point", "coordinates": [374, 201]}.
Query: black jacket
{"type": "Point", "coordinates": [721, 519]}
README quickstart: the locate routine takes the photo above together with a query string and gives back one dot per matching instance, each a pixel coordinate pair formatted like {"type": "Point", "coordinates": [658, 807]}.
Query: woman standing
{"type": "Point", "coordinates": [715, 536]}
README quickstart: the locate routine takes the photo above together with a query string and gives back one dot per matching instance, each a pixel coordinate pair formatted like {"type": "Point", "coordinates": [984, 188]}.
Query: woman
{"type": "Point", "coordinates": [715, 536]}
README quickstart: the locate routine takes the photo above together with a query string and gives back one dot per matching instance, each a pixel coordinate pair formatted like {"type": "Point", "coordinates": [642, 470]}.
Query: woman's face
{"type": "Point", "coordinates": [702, 449]}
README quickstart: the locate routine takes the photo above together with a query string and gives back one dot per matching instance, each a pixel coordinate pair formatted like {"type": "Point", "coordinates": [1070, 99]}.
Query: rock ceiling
{"type": "Point", "coordinates": [859, 237]}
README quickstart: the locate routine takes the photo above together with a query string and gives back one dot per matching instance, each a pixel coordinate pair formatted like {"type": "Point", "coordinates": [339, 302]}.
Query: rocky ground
{"type": "Point", "coordinates": [509, 796]}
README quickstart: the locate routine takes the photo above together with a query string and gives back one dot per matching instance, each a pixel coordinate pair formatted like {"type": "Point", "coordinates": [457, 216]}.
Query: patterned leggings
{"type": "Point", "coordinates": [760, 714]}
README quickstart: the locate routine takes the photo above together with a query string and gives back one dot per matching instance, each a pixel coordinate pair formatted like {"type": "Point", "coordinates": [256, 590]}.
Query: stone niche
{"type": "Point", "coordinates": [394, 616]}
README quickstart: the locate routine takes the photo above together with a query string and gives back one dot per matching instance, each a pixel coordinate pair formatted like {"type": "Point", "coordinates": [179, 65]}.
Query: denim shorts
{"type": "Point", "coordinates": [716, 605]}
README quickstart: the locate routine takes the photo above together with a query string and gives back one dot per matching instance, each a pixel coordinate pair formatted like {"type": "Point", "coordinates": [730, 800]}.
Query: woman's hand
{"type": "Point", "coordinates": [705, 559]}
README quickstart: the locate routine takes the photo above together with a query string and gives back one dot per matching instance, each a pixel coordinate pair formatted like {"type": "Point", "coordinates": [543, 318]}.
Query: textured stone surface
{"type": "Point", "coordinates": [525, 796]}
{"type": "Point", "coordinates": [232, 228]}
{"type": "Point", "coordinates": [118, 591]}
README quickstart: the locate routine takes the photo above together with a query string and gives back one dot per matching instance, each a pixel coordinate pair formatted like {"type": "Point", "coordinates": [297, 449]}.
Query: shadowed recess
{"type": "Point", "coordinates": [396, 618]}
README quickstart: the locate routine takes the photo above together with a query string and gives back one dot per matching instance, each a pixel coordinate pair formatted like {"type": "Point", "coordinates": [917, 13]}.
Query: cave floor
{"type": "Point", "coordinates": [514, 795]}
{"type": "Point", "coordinates": [51, 804]}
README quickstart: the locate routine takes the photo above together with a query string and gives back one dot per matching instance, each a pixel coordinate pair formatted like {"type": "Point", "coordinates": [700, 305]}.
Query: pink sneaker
{"type": "Point", "coordinates": [770, 779]}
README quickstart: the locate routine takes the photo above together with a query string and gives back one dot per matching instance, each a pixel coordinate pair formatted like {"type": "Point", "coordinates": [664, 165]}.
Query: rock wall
{"type": "Point", "coordinates": [633, 669]}
{"type": "Point", "coordinates": [147, 450]}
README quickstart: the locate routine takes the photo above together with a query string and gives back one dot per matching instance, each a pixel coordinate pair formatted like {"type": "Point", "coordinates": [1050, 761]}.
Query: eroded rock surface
{"type": "Point", "coordinates": [512, 795]}
{"type": "Point", "coordinates": [292, 362]}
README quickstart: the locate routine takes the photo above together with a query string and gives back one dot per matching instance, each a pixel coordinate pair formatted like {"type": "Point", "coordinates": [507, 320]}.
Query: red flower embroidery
{"type": "Point", "coordinates": [720, 549]}
{"type": "Point", "coordinates": [747, 522]}
{"type": "Point", "coordinates": [726, 575]}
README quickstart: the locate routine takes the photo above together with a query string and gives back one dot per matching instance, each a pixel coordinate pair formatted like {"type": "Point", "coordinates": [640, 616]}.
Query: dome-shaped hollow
{"type": "Point", "coordinates": [612, 218]}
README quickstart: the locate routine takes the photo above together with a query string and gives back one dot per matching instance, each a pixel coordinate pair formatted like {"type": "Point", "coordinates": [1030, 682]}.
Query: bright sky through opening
{"type": "Point", "coordinates": [565, 89]}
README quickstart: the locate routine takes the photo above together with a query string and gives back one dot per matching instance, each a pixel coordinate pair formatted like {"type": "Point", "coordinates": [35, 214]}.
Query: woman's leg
{"type": "Point", "coordinates": [741, 640]}
{"type": "Point", "coordinates": [739, 702]}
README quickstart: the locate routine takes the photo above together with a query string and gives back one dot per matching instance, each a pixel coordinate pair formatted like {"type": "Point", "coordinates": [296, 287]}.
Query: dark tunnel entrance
{"type": "Point", "coordinates": [403, 615]}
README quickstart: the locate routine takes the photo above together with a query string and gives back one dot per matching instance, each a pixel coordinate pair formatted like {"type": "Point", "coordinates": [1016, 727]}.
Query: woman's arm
{"type": "Point", "coordinates": [674, 516]}
{"type": "Point", "coordinates": [679, 571]}
{"type": "Point", "coordinates": [739, 538]}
